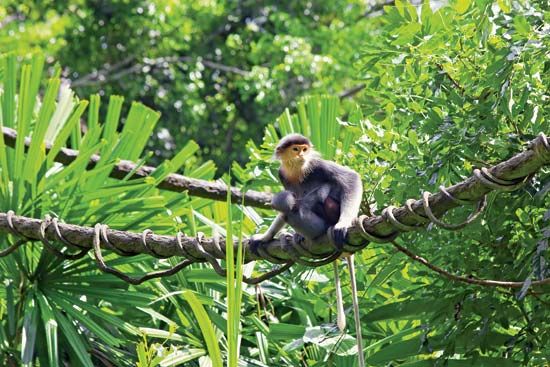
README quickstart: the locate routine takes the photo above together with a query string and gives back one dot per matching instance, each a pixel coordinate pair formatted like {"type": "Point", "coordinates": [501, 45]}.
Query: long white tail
{"type": "Point", "coordinates": [355, 298]}
{"type": "Point", "coordinates": [340, 315]}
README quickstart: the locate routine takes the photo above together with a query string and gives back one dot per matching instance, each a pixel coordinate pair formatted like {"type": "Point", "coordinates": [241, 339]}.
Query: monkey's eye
{"type": "Point", "coordinates": [295, 149]}
{"type": "Point", "coordinates": [305, 149]}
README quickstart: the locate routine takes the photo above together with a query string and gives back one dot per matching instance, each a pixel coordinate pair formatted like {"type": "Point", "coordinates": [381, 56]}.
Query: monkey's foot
{"type": "Point", "coordinates": [338, 236]}
{"type": "Point", "coordinates": [254, 243]}
{"type": "Point", "coordinates": [298, 238]}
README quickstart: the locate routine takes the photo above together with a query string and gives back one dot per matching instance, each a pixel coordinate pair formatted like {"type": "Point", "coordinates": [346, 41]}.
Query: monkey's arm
{"type": "Point", "coordinates": [274, 228]}
{"type": "Point", "coordinates": [350, 202]}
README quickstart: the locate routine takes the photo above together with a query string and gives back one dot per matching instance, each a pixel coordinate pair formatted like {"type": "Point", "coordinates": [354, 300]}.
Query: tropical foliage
{"type": "Point", "coordinates": [218, 70]}
{"type": "Point", "coordinates": [447, 89]}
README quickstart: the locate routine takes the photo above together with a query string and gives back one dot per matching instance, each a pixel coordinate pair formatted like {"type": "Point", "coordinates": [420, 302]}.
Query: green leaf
{"type": "Point", "coordinates": [283, 331]}
{"type": "Point", "coordinates": [50, 324]}
{"type": "Point", "coordinates": [30, 324]}
{"type": "Point", "coordinates": [478, 362]}
{"type": "Point", "coordinates": [177, 357]}
{"type": "Point", "coordinates": [504, 5]}
{"type": "Point", "coordinates": [160, 334]}
{"type": "Point", "coordinates": [461, 6]}
{"type": "Point", "coordinates": [522, 26]}
{"type": "Point", "coordinates": [206, 327]}
{"type": "Point", "coordinates": [407, 309]}
{"type": "Point", "coordinates": [63, 130]}
{"type": "Point", "coordinates": [65, 105]}
{"type": "Point", "coordinates": [76, 342]}
{"type": "Point", "coordinates": [89, 323]}
{"type": "Point", "coordinates": [37, 146]}
{"type": "Point", "coordinates": [406, 33]}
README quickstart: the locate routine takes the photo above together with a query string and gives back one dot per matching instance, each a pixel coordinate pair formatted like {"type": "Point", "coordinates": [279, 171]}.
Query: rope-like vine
{"type": "Point", "coordinates": [287, 250]}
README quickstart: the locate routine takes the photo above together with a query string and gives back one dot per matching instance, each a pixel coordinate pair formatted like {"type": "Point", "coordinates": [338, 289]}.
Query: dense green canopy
{"type": "Point", "coordinates": [219, 71]}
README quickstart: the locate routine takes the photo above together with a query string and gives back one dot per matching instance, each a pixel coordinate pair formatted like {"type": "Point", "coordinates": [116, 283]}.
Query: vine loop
{"type": "Point", "coordinates": [184, 250]}
{"type": "Point", "coordinates": [98, 229]}
{"type": "Point", "coordinates": [387, 213]}
{"type": "Point", "coordinates": [495, 183]}
{"type": "Point", "coordinates": [103, 233]}
{"type": "Point", "coordinates": [60, 238]}
{"type": "Point", "coordinates": [146, 245]}
{"type": "Point", "coordinates": [372, 237]}
{"type": "Point", "coordinates": [455, 200]}
{"type": "Point", "coordinates": [42, 233]}
{"type": "Point", "coordinates": [290, 246]}
{"type": "Point", "coordinates": [410, 210]}
{"type": "Point", "coordinates": [473, 216]}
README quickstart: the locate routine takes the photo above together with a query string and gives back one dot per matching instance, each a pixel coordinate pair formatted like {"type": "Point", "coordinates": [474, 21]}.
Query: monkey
{"type": "Point", "coordinates": [319, 195]}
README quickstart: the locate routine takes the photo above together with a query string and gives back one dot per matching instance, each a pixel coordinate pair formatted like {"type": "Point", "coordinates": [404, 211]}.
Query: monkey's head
{"type": "Point", "coordinates": [294, 150]}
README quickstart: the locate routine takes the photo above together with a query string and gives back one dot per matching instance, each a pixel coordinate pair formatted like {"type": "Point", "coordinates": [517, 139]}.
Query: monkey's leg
{"type": "Point", "coordinates": [298, 214]}
{"type": "Point", "coordinates": [340, 314]}
{"type": "Point", "coordinates": [305, 221]}
{"type": "Point", "coordinates": [356, 316]}
{"type": "Point", "coordinates": [284, 201]}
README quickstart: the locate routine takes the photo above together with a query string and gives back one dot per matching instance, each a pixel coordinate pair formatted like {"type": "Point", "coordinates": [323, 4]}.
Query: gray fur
{"type": "Point", "coordinates": [300, 202]}
{"type": "Point", "coordinates": [284, 201]}
{"type": "Point", "coordinates": [345, 187]}
{"type": "Point", "coordinates": [299, 214]}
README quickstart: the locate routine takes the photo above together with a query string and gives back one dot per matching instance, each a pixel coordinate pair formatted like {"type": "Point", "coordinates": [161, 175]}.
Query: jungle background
{"type": "Point", "coordinates": [415, 95]}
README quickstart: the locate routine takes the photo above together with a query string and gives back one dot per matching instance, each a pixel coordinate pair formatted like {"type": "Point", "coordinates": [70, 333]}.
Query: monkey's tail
{"type": "Point", "coordinates": [356, 315]}
{"type": "Point", "coordinates": [340, 315]}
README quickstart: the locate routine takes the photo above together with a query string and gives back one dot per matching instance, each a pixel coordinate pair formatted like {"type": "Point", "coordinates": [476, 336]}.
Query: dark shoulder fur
{"type": "Point", "coordinates": [323, 171]}
{"type": "Point", "coordinates": [328, 171]}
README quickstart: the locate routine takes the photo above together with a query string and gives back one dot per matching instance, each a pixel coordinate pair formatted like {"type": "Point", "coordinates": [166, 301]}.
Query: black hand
{"type": "Point", "coordinates": [339, 235]}
{"type": "Point", "coordinates": [298, 238]}
{"type": "Point", "coordinates": [254, 244]}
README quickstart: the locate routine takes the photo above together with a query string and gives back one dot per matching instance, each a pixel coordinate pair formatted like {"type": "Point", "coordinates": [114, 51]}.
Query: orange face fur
{"type": "Point", "coordinates": [294, 153]}
{"type": "Point", "coordinates": [293, 160]}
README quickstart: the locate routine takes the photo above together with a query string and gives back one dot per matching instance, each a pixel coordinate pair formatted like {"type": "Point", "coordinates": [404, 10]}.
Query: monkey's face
{"type": "Point", "coordinates": [297, 153]}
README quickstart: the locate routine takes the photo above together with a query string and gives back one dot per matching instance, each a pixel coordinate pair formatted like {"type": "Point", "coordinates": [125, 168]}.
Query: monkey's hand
{"type": "Point", "coordinates": [298, 238]}
{"type": "Point", "coordinates": [339, 233]}
{"type": "Point", "coordinates": [256, 241]}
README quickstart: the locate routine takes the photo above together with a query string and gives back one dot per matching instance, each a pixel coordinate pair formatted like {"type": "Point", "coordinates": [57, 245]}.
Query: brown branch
{"type": "Point", "coordinates": [520, 165]}
{"type": "Point", "coordinates": [222, 67]}
{"type": "Point", "coordinates": [174, 182]}
{"type": "Point", "coordinates": [115, 71]}
{"type": "Point", "coordinates": [459, 278]}
{"type": "Point", "coordinates": [453, 81]}
{"type": "Point", "coordinates": [128, 243]}
{"type": "Point", "coordinates": [352, 91]}
{"type": "Point", "coordinates": [99, 76]}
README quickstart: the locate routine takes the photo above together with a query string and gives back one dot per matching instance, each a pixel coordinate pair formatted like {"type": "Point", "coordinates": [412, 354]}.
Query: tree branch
{"type": "Point", "coordinates": [463, 279]}
{"type": "Point", "coordinates": [521, 165]}
{"type": "Point", "coordinates": [116, 71]}
{"type": "Point", "coordinates": [174, 182]}
{"type": "Point", "coordinates": [352, 91]}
